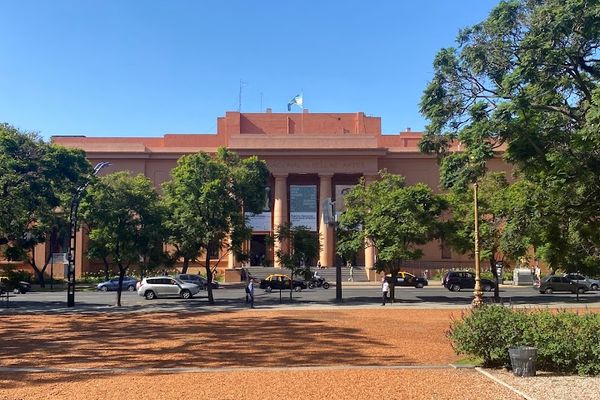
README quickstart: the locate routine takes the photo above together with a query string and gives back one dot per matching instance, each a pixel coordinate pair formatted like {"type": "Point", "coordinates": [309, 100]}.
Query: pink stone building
{"type": "Point", "coordinates": [311, 157]}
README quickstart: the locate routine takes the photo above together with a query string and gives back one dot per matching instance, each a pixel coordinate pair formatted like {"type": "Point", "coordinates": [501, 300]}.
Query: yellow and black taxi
{"type": "Point", "coordinates": [280, 281]}
{"type": "Point", "coordinates": [408, 279]}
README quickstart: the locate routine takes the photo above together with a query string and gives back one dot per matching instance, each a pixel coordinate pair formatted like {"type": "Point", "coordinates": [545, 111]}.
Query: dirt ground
{"type": "Point", "coordinates": [334, 354]}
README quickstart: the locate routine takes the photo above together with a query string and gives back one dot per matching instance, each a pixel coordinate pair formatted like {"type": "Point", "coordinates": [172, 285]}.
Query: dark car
{"type": "Point", "coordinates": [11, 285]}
{"type": "Point", "coordinates": [408, 279]}
{"type": "Point", "coordinates": [591, 283]}
{"type": "Point", "coordinates": [457, 280]}
{"type": "Point", "coordinates": [129, 284]}
{"type": "Point", "coordinates": [553, 283]}
{"type": "Point", "coordinates": [280, 281]}
{"type": "Point", "coordinates": [196, 280]}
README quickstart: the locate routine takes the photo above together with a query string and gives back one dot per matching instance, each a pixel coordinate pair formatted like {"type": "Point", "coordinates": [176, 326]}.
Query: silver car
{"type": "Point", "coordinates": [593, 284]}
{"type": "Point", "coordinates": [165, 286]}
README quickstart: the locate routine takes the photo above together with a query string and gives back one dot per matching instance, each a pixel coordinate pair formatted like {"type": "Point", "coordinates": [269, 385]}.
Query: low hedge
{"type": "Point", "coordinates": [567, 342]}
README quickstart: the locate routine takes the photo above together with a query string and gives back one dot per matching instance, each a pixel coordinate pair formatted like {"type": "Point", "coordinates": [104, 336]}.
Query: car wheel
{"type": "Point", "coordinates": [594, 287]}
{"type": "Point", "coordinates": [580, 290]}
{"type": "Point", "coordinates": [186, 294]}
{"type": "Point", "coordinates": [487, 288]}
{"type": "Point", "coordinates": [419, 285]}
{"type": "Point", "coordinates": [130, 288]}
{"type": "Point", "coordinates": [548, 290]}
{"type": "Point", "coordinates": [325, 285]}
{"type": "Point", "coordinates": [150, 295]}
{"type": "Point", "coordinates": [455, 287]}
{"type": "Point", "coordinates": [268, 289]}
{"type": "Point", "coordinates": [297, 289]}
{"type": "Point", "coordinates": [104, 288]}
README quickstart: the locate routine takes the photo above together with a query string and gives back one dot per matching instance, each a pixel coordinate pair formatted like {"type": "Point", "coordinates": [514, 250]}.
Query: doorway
{"type": "Point", "coordinates": [258, 251]}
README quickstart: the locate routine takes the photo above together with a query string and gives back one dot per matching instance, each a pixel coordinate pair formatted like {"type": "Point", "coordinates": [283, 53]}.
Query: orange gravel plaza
{"type": "Point", "coordinates": [301, 354]}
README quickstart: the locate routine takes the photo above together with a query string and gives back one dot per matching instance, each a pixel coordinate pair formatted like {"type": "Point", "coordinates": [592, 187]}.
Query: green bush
{"type": "Point", "coordinates": [566, 341]}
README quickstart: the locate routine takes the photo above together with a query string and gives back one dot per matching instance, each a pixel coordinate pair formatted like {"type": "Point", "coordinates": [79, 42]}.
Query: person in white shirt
{"type": "Point", "coordinates": [385, 287]}
{"type": "Point", "coordinates": [250, 292]}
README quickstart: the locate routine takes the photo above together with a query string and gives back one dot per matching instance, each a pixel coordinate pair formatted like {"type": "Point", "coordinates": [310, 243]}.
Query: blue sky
{"type": "Point", "coordinates": [146, 68]}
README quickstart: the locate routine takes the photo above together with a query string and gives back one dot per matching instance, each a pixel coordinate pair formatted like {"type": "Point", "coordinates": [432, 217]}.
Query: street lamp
{"type": "Point", "coordinates": [478, 294]}
{"type": "Point", "coordinates": [73, 235]}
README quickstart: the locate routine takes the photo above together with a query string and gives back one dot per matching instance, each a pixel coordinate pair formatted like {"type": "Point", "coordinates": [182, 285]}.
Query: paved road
{"type": "Point", "coordinates": [233, 298]}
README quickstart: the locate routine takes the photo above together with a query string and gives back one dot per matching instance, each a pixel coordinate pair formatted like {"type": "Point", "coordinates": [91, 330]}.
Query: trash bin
{"type": "Point", "coordinates": [522, 360]}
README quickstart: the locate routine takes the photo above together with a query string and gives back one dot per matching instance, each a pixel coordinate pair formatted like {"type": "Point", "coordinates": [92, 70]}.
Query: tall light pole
{"type": "Point", "coordinates": [478, 294]}
{"type": "Point", "coordinates": [73, 235]}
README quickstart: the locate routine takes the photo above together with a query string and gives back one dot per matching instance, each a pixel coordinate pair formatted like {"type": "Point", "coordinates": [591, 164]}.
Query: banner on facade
{"type": "Point", "coordinates": [303, 206]}
{"type": "Point", "coordinates": [260, 222]}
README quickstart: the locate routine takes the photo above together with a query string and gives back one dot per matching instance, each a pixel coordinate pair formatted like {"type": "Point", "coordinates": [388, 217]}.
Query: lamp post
{"type": "Point", "coordinates": [73, 235]}
{"type": "Point", "coordinates": [478, 294]}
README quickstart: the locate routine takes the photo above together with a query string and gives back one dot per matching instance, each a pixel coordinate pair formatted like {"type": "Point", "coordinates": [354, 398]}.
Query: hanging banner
{"type": "Point", "coordinates": [303, 206]}
{"type": "Point", "coordinates": [262, 222]}
{"type": "Point", "coordinates": [340, 192]}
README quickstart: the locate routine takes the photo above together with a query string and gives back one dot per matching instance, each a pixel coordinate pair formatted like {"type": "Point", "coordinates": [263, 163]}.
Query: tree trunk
{"type": "Point", "coordinates": [211, 299]}
{"type": "Point", "coordinates": [186, 262]}
{"type": "Point", "coordinates": [106, 268]}
{"type": "Point", "coordinates": [38, 272]}
{"type": "Point", "coordinates": [120, 287]}
{"type": "Point", "coordinates": [495, 274]}
{"type": "Point", "coordinates": [393, 287]}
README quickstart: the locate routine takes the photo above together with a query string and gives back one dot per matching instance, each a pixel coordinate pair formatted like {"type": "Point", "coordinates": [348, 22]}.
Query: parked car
{"type": "Point", "coordinates": [165, 286]}
{"type": "Point", "coordinates": [129, 283]}
{"type": "Point", "coordinates": [280, 281]}
{"type": "Point", "coordinates": [10, 285]}
{"type": "Point", "coordinates": [197, 280]}
{"type": "Point", "coordinates": [408, 279]}
{"type": "Point", "coordinates": [553, 283]}
{"type": "Point", "coordinates": [457, 280]}
{"type": "Point", "coordinates": [591, 283]}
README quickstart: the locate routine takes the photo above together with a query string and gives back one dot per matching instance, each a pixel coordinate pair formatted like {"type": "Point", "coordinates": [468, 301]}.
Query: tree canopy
{"type": "Point", "coordinates": [525, 80]}
{"type": "Point", "coordinates": [37, 179]}
{"type": "Point", "coordinates": [125, 220]}
{"type": "Point", "coordinates": [394, 218]}
{"type": "Point", "coordinates": [207, 198]}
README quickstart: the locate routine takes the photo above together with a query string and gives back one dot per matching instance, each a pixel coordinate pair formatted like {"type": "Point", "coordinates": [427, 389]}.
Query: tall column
{"type": "Point", "coordinates": [280, 216]}
{"type": "Point", "coordinates": [231, 259]}
{"type": "Point", "coordinates": [325, 231]}
{"type": "Point", "coordinates": [369, 249]}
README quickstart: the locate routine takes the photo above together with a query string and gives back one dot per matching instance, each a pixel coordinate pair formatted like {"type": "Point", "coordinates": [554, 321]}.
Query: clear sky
{"type": "Point", "coordinates": [146, 68]}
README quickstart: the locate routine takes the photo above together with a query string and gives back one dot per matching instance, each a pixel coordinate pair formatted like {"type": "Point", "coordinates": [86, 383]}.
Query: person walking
{"type": "Point", "coordinates": [385, 287]}
{"type": "Point", "coordinates": [351, 272]}
{"type": "Point", "coordinates": [250, 292]}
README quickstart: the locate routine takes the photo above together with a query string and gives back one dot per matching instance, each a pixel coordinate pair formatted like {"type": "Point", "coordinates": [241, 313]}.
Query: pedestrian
{"type": "Point", "coordinates": [250, 292]}
{"type": "Point", "coordinates": [351, 273]}
{"type": "Point", "coordinates": [538, 273]}
{"type": "Point", "coordinates": [319, 264]}
{"type": "Point", "coordinates": [385, 287]}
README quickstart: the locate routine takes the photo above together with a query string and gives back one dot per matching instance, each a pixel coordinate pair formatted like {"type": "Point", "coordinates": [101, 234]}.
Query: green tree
{"type": "Point", "coordinates": [125, 220]}
{"type": "Point", "coordinates": [207, 198]}
{"type": "Point", "coordinates": [396, 219]}
{"type": "Point", "coordinates": [36, 180]}
{"type": "Point", "coordinates": [526, 79]}
{"type": "Point", "coordinates": [300, 248]}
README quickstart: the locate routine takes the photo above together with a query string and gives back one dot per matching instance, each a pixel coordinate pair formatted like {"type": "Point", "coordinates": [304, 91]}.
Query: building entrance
{"type": "Point", "coordinates": [258, 250]}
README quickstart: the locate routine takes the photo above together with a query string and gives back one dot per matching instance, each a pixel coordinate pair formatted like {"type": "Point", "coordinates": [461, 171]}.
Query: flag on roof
{"type": "Point", "coordinates": [297, 100]}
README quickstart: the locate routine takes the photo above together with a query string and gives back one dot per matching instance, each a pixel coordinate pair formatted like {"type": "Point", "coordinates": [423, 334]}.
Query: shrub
{"type": "Point", "coordinates": [566, 341]}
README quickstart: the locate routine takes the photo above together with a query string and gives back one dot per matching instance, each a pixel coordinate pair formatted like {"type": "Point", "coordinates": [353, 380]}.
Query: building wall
{"type": "Point", "coordinates": [304, 147]}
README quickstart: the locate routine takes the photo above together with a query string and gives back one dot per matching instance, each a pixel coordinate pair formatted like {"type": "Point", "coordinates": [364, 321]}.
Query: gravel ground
{"type": "Point", "coordinates": [307, 354]}
{"type": "Point", "coordinates": [547, 385]}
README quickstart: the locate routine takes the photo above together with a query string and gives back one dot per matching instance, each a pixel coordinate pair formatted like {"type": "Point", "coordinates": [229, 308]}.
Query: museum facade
{"type": "Point", "coordinates": [311, 157]}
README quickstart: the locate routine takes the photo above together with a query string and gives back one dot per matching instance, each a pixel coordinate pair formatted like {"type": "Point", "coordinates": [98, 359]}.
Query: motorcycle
{"type": "Point", "coordinates": [313, 283]}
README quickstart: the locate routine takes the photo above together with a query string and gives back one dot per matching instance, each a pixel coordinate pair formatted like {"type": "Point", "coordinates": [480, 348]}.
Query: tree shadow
{"type": "Point", "coordinates": [139, 342]}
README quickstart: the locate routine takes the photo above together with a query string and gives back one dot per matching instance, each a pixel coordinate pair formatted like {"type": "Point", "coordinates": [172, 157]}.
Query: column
{"type": "Point", "coordinates": [325, 231]}
{"type": "Point", "coordinates": [369, 249]}
{"type": "Point", "coordinates": [280, 216]}
{"type": "Point", "coordinates": [231, 255]}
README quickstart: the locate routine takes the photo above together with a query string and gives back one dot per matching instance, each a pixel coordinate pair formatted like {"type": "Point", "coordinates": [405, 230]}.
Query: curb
{"type": "Point", "coordinates": [506, 385]}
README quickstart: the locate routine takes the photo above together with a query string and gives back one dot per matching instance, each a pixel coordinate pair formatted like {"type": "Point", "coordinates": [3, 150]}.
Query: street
{"type": "Point", "coordinates": [233, 298]}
